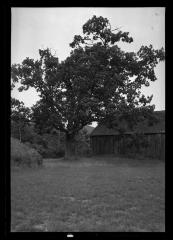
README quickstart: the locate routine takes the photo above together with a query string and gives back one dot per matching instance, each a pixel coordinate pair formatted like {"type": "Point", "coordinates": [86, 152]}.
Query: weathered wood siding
{"type": "Point", "coordinates": [117, 144]}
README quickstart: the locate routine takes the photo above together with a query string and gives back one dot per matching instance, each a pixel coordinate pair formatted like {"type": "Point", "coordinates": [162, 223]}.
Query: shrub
{"type": "Point", "coordinates": [21, 154]}
{"type": "Point", "coordinates": [60, 152]}
{"type": "Point", "coordinates": [53, 153]}
{"type": "Point", "coordinates": [35, 157]}
{"type": "Point", "coordinates": [39, 148]}
{"type": "Point", "coordinates": [48, 145]}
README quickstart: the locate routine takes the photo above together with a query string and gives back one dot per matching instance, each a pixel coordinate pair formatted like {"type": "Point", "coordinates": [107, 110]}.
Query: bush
{"type": "Point", "coordinates": [39, 148]}
{"type": "Point", "coordinates": [22, 154]}
{"type": "Point", "coordinates": [52, 153]}
{"type": "Point", "coordinates": [48, 145]}
{"type": "Point", "coordinates": [60, 152]}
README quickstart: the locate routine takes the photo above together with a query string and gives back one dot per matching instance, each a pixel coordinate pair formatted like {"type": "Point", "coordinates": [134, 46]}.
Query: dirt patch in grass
{"type": "Point", "coordinates": [89, 195]}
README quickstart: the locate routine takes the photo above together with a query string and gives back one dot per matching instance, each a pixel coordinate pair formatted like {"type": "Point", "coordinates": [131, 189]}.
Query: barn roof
{"type": "Point", "coordinates": [89, 129]}
{"type": "Point", "coordinates": [142, 127]}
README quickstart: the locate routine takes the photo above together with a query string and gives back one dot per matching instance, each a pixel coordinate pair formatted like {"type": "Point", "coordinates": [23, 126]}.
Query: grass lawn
{"type": "Point", "coordinates": [95, 194]}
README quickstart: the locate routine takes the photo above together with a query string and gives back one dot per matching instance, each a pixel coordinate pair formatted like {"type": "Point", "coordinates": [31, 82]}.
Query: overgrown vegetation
{"type": "Point", "coordinates": [22, 155]}
{"type": "Point", "coordinates": [52, 144]}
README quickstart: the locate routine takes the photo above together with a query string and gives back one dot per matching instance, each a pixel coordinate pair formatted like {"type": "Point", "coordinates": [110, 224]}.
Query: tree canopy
{"type": "Point", "coordinates": [20, 115]}
{"type": "Point", "coordinates": [97, 82]}
{"type": "Point", "coordinates": [19, 112]}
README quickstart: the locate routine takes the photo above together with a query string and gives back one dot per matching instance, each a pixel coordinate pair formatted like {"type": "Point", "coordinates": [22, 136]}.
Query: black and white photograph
{"type": "Point", "coordinates": [87, 141]}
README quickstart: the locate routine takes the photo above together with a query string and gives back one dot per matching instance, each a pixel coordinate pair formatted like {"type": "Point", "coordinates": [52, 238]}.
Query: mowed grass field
{"type": "Point", "coordinates": [95, 194]}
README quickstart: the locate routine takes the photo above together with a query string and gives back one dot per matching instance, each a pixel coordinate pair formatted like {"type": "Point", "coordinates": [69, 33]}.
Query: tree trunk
{"type": "Point", "coordinates": [70, 147]}
{"type": "Point", "coordinates": [20, 135]}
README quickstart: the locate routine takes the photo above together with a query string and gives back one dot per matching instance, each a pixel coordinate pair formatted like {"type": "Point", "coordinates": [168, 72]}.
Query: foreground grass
{"type": "Point", "coordinates": [89, 195]}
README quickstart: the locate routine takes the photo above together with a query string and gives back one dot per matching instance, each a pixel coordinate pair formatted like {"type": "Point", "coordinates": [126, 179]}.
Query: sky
{"type": "Point", "coordinates": [37, 28]}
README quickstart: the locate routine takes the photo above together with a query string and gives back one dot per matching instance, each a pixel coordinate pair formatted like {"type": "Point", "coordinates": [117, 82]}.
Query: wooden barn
{"type": "Point", "coordinates": [146, 140]}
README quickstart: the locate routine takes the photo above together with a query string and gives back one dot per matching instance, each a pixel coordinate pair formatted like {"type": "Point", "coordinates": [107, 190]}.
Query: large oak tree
{"type": "Point", "coordinates": [97, 82]}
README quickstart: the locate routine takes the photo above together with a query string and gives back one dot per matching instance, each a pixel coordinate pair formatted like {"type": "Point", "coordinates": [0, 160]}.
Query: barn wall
{"type": "Point", "coordinates": [154, 146]}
